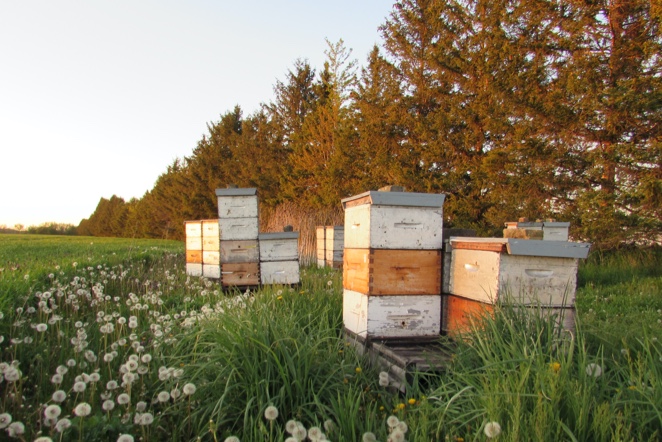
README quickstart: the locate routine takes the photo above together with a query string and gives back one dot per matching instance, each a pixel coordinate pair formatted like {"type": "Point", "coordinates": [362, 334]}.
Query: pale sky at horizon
{"type": "Point", "coordinates": [98, 98]}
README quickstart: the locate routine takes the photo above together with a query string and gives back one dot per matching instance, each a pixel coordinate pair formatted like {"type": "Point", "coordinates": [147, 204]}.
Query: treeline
{"type": "Point", "coordinates": [538, 109]}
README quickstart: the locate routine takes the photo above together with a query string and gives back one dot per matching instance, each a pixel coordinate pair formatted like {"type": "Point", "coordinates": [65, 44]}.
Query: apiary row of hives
{"type": "Point", "coordinates": [330, 246]}
{"type": "Point", "coordinates": [232, 250]}
{"type": "Point", "coordinates": [403, 279]}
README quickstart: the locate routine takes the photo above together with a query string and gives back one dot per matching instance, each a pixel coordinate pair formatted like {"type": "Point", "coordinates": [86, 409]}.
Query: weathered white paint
{"type": "Point", "coordinates": [321, 263]}
{"type": "Point", "coordinates": [488, 276]}
{"type": "Point", "coordinates": [389, 227]}
{"type": "Point", "coordinates": [193, 269]}
{"type": "Point", "coordinates": [391, 316]}
{"type": "Point", "coordinates": [279, 272]}
{"type": "Point", "coordinates": [211, 271]}
{"type": "Point", "coordinates": [211, 257]}
{"type": "Point", "coordinates": [279, 249]}
{"type": "Point", "coordinates": [193, 228]}
{"type": "Point", "coordinates": [240, 251]}
{"type": "Point", "coordinates": [211, 243]}
{"type": "Point", "coordinates": [237, 206]}
{"type": "Point", "coordinates": [238, 228]}
{"type": "Point", "coordinates": [193, 243]}
{"type": "Point", "coordinates": [210, 228]}
{"type": "Point", "coordinates": [555, 231]}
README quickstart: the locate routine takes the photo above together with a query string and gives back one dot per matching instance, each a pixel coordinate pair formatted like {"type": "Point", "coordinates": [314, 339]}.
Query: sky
{"type": "Point", "coordinates": [97, 97]}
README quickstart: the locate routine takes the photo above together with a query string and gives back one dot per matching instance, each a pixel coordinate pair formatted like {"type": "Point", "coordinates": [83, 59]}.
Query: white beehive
{"type": "Point", "coordinates": [279, 258]}
{"type": "Point", "coordinates": [393, 220]}
{"type": "Point", "coordinates": [391, 316]}
{"type": "Point", "coordinates": [335, 243]}
{"type": "Point", "coordinates": [528, 272]}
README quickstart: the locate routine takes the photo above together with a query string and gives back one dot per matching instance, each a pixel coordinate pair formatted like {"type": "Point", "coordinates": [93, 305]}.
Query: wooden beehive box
{"type": "Point", "coordinates": [393, 220]}
{"type": "Point", "coordinates": [320, 236]}
{"type": "Point", "coordinates": [212, 271]}
{"type": "Point", "coordinates": [392, 272]}
{"type": "Point", "coordinates": [335, 240]}
{"type": "Point", "coordinates": [240, 274]}
{"type": "Point", "coordinates": [193, 230]}
{"type": "Point", "coordinates": [238, 213]}
{"type": "Point", "coordinates": [529, 272]}
{"type": "Point", "coordinates": [279, 272]}
{"type": "Point", "coordinates": [279, 246]}
{"type": "Point", "coordinates": [240, 251]}
{"type": "Point", "coordinates": [210, 235]}
{"type": "Point", "coordinates": [391, 316]}
{"type": "Point", "coordinates": [193, 233]}
{"type": "Point", "coordinates": [555, 231]}
{"type": "Point", "coordinates": [237, 202]}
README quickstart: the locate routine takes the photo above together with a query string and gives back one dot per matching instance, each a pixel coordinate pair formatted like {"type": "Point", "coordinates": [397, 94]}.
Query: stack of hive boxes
{"type": "Point", "coordinates": [193, 230]}
{"type": "Point", "coordinates": [211, 264]}
{"type": "Point", "coordinates": [238, 230]}
{"type": "Point", "coordinates": [535, 274]}
{"type": "Point", "coordinates": [335, 243]}
{"type": "Point", "coordinates": [392, 264]}
{"type": "Point", "coordinates": [279, 257]}
{"type": "Point", "coordinates": [320, 235]}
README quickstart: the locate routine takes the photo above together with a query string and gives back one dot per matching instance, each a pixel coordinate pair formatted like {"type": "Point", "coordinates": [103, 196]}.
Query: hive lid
{"type": "Point", "coordinates": [556, 224]}
{"type": "Point", "coordinates": [524, 247]}
{"type": "Point", "coordinates": [407, 199]}
{"type": "Point", "coordinates": [278, 235]}
{"type": "Point", "coordinates": [246, 191]}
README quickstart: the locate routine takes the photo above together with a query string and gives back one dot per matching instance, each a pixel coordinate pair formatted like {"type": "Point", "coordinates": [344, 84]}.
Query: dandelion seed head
{"type": "Point", "coordinates": [291, 426]}
{"type": "Point", "coordinates": [271, 413]}
{"type": "Point", "coordinates": [125, 438]}
{"type": "Point", "coordinates": [163, 396]}
{"type": "Point", "coordinates": [123, 399]}
{"type": "Point", "coordinates": [232, 439]}
{"type": "Point", "coordinates": [83, 409]}
{"type": "Point", "coordinates": [593, 370]}
{"type": "Point", "coordinates": [59, 396]}
{"type": "Point", "coordinates": [5, 420]}
{"type": "Point", "coordinates": [15, 429]}
{"type": "Point", "coordinates": [52, 411]}
{"type": "Point", "coordinates": [80, 387]}
{"type": "Point", "coordinates": [369, 437]}
{"type": "Point", "coordinates": [108, 405]}
{"type": "Point", "coordinates": [392, 421]}
{"type": "Point", "coordinates": [492, 429]}
{"type": "Point", "coordinates": [402, 426]}
{"type": "Point", "coordinates": [188, 389]}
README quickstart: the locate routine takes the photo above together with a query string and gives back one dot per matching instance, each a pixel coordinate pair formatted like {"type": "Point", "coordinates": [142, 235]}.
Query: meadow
{"type": "Point", "coordinates": [109, 340]}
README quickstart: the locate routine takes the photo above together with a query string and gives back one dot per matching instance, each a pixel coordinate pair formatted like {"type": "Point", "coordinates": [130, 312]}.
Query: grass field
{"type": "Point", "coordinates": [109, 340]}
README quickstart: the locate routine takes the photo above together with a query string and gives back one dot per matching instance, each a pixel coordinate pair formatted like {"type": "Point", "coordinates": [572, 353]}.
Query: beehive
{"type": "Point", "coordinates": [238, 229]}
{"type": "Point", "coordinates": [392, 264]}
{"type": "Point", "coordinates": [335, 240]}
{"type": "Point", "coordinates": [528, 272]}
{"type": "Point", "coordinates": [279, 258]}
{"type": "Point", "coordinates": [193, 231]}
{"type": "Point", "coordinates": [238, 213]}
{"type": "Point", "coordinates": [320, 235]}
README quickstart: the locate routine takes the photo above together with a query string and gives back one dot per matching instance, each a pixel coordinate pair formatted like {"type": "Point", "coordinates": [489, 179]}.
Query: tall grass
{"type": "Point", "coordinates": [162, 356]}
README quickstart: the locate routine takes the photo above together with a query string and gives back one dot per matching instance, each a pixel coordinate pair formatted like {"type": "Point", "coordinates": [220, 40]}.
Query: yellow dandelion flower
{"type": "Point", "coordinates": [459, 439]}
{"type": "Point", "coordinates": [632, 387]}
{"type": "Point", "coordinates": [412, 401]}
{"type": "Point", "coordinates": [280, 298]}
{"type": "Point", "coordinates": [401, 406]}
{"type": "Point", "coordinates": [358, 369]}
{"type": "Point", "coordinates": [555, 366]}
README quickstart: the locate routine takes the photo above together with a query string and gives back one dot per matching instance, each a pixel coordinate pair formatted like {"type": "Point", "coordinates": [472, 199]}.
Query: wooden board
{"type": "Point", "coordinates": [193, 243]}
{"type": "Point", "coordinates": [334, 255]}
{"type": "Point", "coordinates": [212, 271]}
{"type": "Point", "coordinates": [491, 276]}
{"type": "Point", "coordinates": [232, 229]}
{"type": "Point", "coordinates": [391, 316]}
{"type": "Point", "coordinates": [387, 227]}
{"type": "Point", "coordinates": [211, 243]}
{"type": "Point", "coordinates": [238, 206]}
{"type": "Point", "coordinates": [193, 228]}
{"type": "Point", "coordinates": [321, 263]}
{"type": "Point", "coordinates": [241, 274]}
{"type": "Point", "coordinates": [193, 269]}
{"type": "Point", "coordinates": [194, 256]}
{"type": "Point", "coordinates": [392, 272]}
{"type": "Point", "coordinates": [334, 264]}
{"type": "Point", "coordinates": [239, 251]}
{"type": "Point", "coordinates": [279, 272]}
{"type": "Point", "coordinates": [211, 257]}
{"type": "Point", "coordinates": [459, 314]}
{"type": "Point", "coordinates": [210, 228]}
{"type": "Point", "coordinates": [279, 249]}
